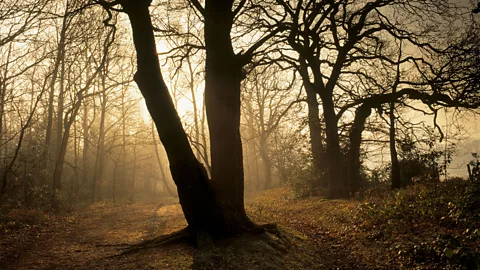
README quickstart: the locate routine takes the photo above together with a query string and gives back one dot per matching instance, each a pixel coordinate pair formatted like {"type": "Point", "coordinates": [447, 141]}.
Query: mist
{"type": "Point", "coordinates": [239, 134]}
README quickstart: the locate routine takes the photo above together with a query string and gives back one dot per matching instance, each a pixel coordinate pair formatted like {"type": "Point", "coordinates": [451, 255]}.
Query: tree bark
{"type": "Point", "coordinates": [353, 155]}
{"type": "Point", "coordinates": [316, 139]}
{"type": "Point", "coordinates": [222, 98]}
{"type": "Point", "coordinates": [336, 177]}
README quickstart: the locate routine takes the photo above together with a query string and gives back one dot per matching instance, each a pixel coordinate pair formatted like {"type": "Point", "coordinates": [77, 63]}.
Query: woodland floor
{"type": "Point", "coordinates": [314, 234]}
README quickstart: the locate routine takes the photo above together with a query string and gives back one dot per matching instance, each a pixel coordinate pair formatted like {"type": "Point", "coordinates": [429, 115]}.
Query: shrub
{"type": "Point", "coordinates": [440, 226]}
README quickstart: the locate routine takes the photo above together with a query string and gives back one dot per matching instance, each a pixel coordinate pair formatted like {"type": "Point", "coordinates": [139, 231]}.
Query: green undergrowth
{"type": "Point", "coordinates": [420, 227]}
{"type": "Point", "coordinates": [426, 226]}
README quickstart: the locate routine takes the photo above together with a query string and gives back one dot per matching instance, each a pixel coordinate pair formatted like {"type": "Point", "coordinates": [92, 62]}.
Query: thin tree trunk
{"type": "Point", "coordinates": [395, 172]}
{"type": "Point", "coordinates": [205, 141]}
{"type": "Point", "coordinates": [160, 165]}
{"type": "Point", "coordinates": [47, 151]}
{"type": "Point", "coordinates": [8, 169]}
{"type": "Point", "coordinates": [114, 188]}
{"type": "Point", "coordinates": [191, 85]}
{"type": "Point", "coordinates": [3, 122]}
{"type": "Point", "coordinates": [60, 109]}
{"type": "Point", "coordinates": [267, 163]}
{"type": "Point", "coordinates": [98, 172]}
{"type": "Point", "coordinates": [57, 173]}
{"type": "Point", "coordinates": [134, 174]}
{"type": "Point", "coordinates": [250, 145]}
{"type": "Point", "coordinates": [75, 161]}
{"type": "Point", "coordinates": [2, 111]}
{"type": "Point", "coordinates": [86, 144]}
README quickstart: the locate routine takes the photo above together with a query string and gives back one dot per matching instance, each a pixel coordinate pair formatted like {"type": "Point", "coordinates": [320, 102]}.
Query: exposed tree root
{"type": "Point", "coordinates": [182, 236]}
{"type": "Point", "coordinates": [247, 251]}
{"type": "Point", "coordinates": [113, 245]}
{"type": "Point", "coordinates": [271, 228]}
{"type": "Point", "coordinates": [199, 240]}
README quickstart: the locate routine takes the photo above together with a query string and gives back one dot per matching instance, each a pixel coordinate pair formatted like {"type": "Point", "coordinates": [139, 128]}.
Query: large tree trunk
{"type": "Point", "coordinates": [222, 97]}
{"type": "Point", "coordinates": [336, 177]}
{"type": "Point", "coordinates": [316, 140]}
{"type": "Point", "coordinates": [353, 155]}
{"type": "Point", "coordinates": [198, 201]}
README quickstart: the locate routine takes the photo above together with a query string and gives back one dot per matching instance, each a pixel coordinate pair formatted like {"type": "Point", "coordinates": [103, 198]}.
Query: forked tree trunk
{"type": "Point", "coordinates": [199, 203]}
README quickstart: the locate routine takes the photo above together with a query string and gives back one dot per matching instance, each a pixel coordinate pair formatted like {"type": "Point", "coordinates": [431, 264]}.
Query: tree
{"type": "Point", "coordinates": [198, 201]}
{"type": "Point", "coordinates": [268, 96]}
{"type": "Point", "coordinates": [335, 39]}
{"type": "Point", "coordinates": [18, 68]}
{"type": "Point", "coordinates": [219, 209]}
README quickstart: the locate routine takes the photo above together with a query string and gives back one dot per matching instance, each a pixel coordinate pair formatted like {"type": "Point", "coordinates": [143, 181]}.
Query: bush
{"type": "Point", "coordinates": [303, 183]}
{"type": "Point", "coordinates": [440, 226]}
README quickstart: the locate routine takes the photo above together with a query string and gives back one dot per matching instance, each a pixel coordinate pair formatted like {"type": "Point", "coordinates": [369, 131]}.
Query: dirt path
{"type": "Point", "coordinates": [87, 240]}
